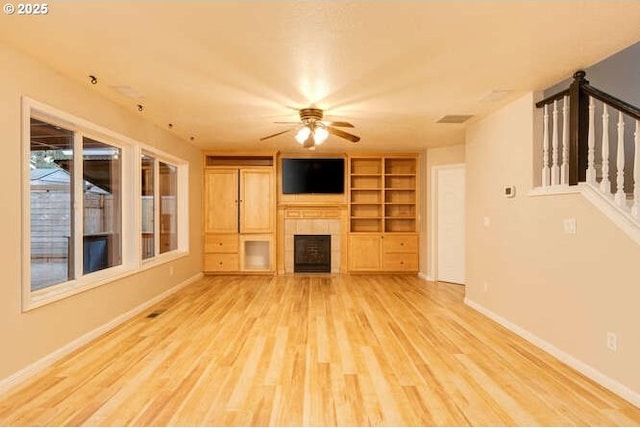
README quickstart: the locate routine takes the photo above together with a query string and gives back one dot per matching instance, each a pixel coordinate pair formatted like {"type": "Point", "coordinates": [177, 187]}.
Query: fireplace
{"type": "Point", "coordinates": [312, 253]}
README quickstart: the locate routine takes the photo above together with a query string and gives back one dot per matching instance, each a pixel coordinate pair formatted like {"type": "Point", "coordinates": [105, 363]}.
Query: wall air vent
{"type": "Point", "coordinates": [454, 118]}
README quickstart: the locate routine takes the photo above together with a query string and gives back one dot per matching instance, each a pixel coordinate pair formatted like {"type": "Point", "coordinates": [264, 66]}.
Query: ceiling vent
{"type": "Point", "coordinates": [454, 118]}
{"type": "Point", "coordinates": [495, 95]}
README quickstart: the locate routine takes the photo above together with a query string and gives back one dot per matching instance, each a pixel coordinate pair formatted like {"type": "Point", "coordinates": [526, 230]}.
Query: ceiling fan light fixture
{"type": "Point", "coordinates": [302, 134]}
{"type": "Point", "coordinates": [320, 134]}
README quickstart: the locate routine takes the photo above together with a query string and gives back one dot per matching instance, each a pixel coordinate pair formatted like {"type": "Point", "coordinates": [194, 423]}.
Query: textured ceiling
{"type": "Point", "coordinates": [223, 71]}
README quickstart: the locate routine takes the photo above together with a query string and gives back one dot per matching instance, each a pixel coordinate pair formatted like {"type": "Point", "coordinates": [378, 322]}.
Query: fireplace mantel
{"type": "Point", "coordinates": [306, 210]}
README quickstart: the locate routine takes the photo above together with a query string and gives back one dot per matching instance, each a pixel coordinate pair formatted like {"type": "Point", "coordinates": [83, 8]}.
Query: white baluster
{"type": "Point", "coordinates": [545, 148]}
{"type": "Point", "coordinates": [605, 184]}
{"type": "Point", "coordinates": [620, 197]}
{"type": "Point", "coordinates": [555, 168]}
{"type": "Point", "coordinates": [635, 210]}
{"type": "Point", "coordinates": [564, 168]}
{"type": "Point", "coordinates": [591, 144]}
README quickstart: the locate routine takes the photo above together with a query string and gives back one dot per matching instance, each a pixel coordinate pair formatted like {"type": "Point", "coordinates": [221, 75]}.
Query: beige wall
{"type": "Point", "coordinates": [568, 290]}
{"type": "Point", "coordinates": [27, 337]}
{"type": "Point", "coordinates": [438, 156]}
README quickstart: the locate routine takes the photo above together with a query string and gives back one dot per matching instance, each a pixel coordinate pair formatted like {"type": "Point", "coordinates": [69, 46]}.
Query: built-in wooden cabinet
{"type": "Point", "coordinates": [364, 252]}
{"type": "Point", "coordinates": [383, 213]}
{"type": "Point", "coordinates": [378, 215]}
{"type": "Point", "coordinates": [371, 252]}
{"type": "Point", "coordinates": [239, 214]}
{"type": "Point", "coordinates": [221, 201]}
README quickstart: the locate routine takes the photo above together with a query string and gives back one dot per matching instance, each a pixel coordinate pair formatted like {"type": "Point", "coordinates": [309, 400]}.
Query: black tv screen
{"type": "Point", "coordinates": [307, 175]}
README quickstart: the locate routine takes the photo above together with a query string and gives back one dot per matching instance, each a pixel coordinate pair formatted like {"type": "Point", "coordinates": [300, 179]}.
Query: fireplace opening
{"type": "Point", "coordinates": [312, 253]}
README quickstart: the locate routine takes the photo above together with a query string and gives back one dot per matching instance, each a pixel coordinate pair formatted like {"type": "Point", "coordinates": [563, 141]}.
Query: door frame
{"type": "Point", "coordinates": [432, 233]}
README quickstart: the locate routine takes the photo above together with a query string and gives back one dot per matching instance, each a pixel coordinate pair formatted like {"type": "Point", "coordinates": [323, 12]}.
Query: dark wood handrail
{"type": "Point", "coordinates": [553, 98]}
{"type": "Point", "coordinates": [620, 105]}
{"type": "Point", "coordinates": [579, 92]}
{"type": "Point", "coordinates": [596, 93]}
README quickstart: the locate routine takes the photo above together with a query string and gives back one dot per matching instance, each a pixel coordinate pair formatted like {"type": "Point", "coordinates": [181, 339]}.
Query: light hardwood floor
{"type": "Point", "coordinates": [316, 350]}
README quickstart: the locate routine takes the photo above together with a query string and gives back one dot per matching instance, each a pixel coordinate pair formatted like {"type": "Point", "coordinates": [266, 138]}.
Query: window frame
{"type": "Point", "coordinates": [131, 238]}
{"type": "Point", "coordinates": [182, 201]}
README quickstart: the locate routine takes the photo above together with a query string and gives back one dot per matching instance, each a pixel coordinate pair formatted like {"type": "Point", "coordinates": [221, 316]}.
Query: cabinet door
{"type": "Point", "coordinates": [256, 201]}
{"type": "Point", "coordinates": [221, 201]}
{"type": "Point", "coordinates": [364, 252]}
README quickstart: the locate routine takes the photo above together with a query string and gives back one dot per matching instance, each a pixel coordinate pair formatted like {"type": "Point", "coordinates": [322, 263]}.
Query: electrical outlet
{"type": "Point", "coordinates": [612, 341]}
{"type": "Point", "coordinates": [485, 286]}
{"type": "Point", "coordinates": [170, 270]}
{"type": "Point", "coordinates": [486, 221]}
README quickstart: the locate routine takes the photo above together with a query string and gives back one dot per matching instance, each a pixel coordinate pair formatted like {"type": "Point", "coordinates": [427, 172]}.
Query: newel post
{"type": "Point", "coordinates": [578, 128]}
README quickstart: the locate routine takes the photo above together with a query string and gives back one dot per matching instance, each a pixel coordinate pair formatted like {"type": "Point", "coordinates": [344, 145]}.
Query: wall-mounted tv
{"type": "Point", "coordinates": [312, 175]}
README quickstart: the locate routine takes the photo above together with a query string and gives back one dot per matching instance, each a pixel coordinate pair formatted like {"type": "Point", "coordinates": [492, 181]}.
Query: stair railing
{"type": "Point", "coordinates": [577, 148]}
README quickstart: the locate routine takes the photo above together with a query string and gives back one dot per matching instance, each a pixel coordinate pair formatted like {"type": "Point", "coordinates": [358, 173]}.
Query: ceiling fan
{"type": "Point", "coordinates": [313, 131]}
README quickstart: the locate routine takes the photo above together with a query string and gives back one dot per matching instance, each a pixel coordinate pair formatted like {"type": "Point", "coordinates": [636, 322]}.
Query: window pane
{"type": "Point", "coordinates": [168, 208]}
{"type": "Point", "coordinates": [51, 188]}
{"type": "Point", "coordinates": [147, 204]}
{"type": "Point", "coordinates": [102, 205]}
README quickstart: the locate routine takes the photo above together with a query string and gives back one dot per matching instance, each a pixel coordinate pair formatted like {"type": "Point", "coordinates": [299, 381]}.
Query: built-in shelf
{"type": "Point", "coordinates": [382, 193]}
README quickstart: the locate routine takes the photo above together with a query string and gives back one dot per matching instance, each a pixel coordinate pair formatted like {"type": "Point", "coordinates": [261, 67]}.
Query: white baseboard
{"type": "Point", "coordinates": [424, 276]}
{"type": "Point", "coordinates": [612, 385]}
{"type": "Point", "coordinates": [44, 362]}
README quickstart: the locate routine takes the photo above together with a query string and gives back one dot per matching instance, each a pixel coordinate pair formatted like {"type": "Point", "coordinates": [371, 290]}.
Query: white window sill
{"type": "Point", "coordinates": [43, 297]}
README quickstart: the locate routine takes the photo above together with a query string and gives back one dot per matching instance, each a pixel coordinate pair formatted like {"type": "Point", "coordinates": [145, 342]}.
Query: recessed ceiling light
{"type": "Point", "coordinates": [454, 118]}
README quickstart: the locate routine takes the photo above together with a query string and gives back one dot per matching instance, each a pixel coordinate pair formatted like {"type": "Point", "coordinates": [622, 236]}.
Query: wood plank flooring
{"type": "Point", "coordinates": [316, 350]}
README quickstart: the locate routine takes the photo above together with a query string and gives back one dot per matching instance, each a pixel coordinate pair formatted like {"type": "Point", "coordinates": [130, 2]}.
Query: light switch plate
{"type": "Point", "coordinates": [570, 226]}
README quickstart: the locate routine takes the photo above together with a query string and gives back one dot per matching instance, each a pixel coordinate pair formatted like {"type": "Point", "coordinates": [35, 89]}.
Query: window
{"type": "Point", "coordinates": [51, 200]}
{"type": "Point", "coordinates": [168, 208]}
{"type": "Point", "coordinates": [162, 198]}
{"type": "Point", "coordinates": [81, 215]}
{"type": "Point", "coordinates": [101, 206]}
{"type": "Point", "coordinates": [147, 205]}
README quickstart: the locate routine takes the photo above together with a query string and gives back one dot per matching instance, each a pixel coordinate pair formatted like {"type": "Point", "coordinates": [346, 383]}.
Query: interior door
{"type": "Point", "coordinates": [221, 201]}
{"type": "Point", "coordinates": [450, 230]}
{"type": "Point", "coordinates": [256, 210]}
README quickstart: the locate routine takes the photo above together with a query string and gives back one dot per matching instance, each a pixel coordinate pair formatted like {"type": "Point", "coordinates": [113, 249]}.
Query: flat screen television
{"type": "Point", "coordinates": [312, 175]}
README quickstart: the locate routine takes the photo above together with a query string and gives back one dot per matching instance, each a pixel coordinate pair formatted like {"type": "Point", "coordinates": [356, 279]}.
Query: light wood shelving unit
{"type": "Point", "coordinates": [383, 194]}
{"type": "Point", "coordinates": [383, 213]}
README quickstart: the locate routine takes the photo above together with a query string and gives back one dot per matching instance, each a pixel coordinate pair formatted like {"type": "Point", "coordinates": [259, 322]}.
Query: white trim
{"type": "Point", "coordinates": [622, 219]}
{"type": "Point", "coordinates": [554, 190]}
{"type": "Point", "coordinates": [46, 361]}
{"type": "Point", "coordinates": [611, 384]}
{"type": "Point", "coordinates": [425, 277]}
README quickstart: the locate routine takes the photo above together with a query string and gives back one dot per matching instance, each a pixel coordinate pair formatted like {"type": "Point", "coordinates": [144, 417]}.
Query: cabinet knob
{"type": "Point", "coordinates": [220, 243]}
{"type": "Point", "coordinates": [402, 244]}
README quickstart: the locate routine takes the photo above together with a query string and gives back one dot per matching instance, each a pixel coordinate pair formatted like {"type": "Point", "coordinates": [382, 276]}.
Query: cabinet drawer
{"type": "Point", "coordinates": [221, 262]}
{"type": "Point", "coordinates": [401, 262]}
{"type": "Point", "coordinates": [400, 244]}
{"type": "Point", "coordinates": [221, 243]}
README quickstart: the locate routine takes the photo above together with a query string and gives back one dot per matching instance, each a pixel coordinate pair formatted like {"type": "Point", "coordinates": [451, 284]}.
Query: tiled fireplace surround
{"type": "Point", "coordinates": [301, 220]}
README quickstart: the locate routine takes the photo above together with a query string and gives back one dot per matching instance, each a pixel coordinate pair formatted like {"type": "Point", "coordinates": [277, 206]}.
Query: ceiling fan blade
{"type": "Point", "coordinates": [339, 124]}
{"type": "Point", "coordinates": [289, 123]}
{"type": "Point", "coordinates": [340, 133]}
{"type": "Point", "coordinates": [275, 135]}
